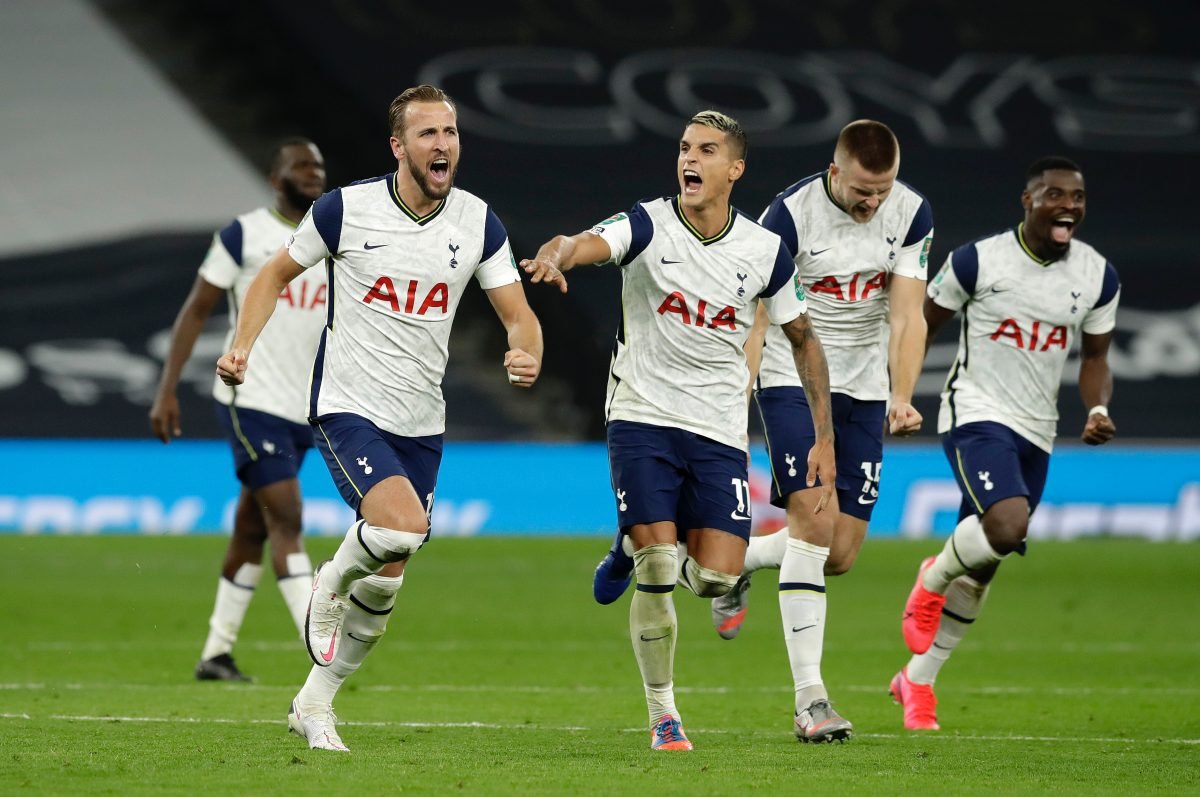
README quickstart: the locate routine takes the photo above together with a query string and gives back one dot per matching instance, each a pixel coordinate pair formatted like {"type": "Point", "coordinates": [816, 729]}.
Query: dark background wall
{"type": "Point", "coordinates": [570, 111]}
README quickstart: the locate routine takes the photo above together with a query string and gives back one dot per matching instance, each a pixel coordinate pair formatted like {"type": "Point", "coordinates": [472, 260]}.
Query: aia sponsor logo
{"type": "Point", "coordinates": [856, 290]}
{"type": "Point", "coordinates": [1038, 337]}
{"type": "Point", "coordinates": [676, 304]}
{"type": "Point", "coordinates": [436, 298]}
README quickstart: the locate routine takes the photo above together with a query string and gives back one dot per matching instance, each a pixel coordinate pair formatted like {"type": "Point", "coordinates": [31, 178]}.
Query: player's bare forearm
{"type": "Point", "coordinates": [1096, 387]}
{"type": "Point", "coordinates": [164, 412]}
{"type": "Point", "coordinates": [753, 346]}
{"type": "Point", "coordinates": [523, 360]}
{"type": "Point", "coordinates": [257, 307]}
{"type": "Point", "coordinates": [561, 254]}
{"type": "Point", "coordinates": [906, 343]}
{"type": "Point", "coordinates": [813, 369]}
{"type": "Point", "coordinates": [936, 317]}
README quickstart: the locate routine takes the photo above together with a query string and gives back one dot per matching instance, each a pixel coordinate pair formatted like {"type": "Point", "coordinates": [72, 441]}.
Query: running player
{"type": "Point", "coordinates": [264, 419]}
{"type": "Point", "coordinates": [1026, 295]}
{"type": "Point", "coordinates": [860, 240]}
{"type": "Point", "coordinates": [401, 250]}
{"type": "Point", "coordinates": [694, 270]}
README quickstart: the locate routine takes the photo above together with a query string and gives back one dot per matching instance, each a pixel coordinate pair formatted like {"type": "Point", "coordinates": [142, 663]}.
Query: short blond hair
{"type": "Point", "coordinates": [727, 125]}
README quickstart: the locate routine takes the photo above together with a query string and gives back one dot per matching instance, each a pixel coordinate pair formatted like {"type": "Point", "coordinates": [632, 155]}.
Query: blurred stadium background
{"type": "Point", "coordinates": [131, 129]}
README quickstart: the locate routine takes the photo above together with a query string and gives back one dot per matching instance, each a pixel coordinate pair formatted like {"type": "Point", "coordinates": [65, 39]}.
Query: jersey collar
{"type": "Point", "coordinates": [688, 225]}
{"type": "Point", "coordinates": [282, 218]}
{"type": "Point", "coordinates": [1025, 247]}
{"type": "Point", "coordinates": [428, 217]}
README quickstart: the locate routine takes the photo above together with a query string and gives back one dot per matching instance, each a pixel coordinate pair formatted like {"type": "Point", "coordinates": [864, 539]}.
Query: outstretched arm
{"type": "Point", "coordinates": [906, 352]}
{"type": "Point", "coordinates": [1095, 388]}
{"type": "Point", "coordinates": [164, 413]}
{"type": "Point", "coordinates": [814, 375]}
{"type": "Point", "coordinates": [257, 307]}
{"type": "Point", "coordinates": [523, 360]}
{"type": "Point", "coordinates": [561, 254]}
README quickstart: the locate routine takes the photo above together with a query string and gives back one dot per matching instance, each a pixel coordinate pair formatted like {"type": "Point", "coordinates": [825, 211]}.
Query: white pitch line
{"type": "Point", "coordinates": [573, 728]}
{"type": "Point", "coordinates": [1082, 691]}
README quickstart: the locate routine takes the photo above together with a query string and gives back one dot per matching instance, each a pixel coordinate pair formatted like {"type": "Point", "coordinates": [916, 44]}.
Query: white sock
{"type": "Point", "coordinates": [653, 626]}
{"type": "Point", "coordinates": [766, 551]}
{"type": "Point", "coordinates": [296, 587]}
{"type": "Point", "coordinates": [364, 552]}
{"type": "Point", "coordinates": [964, 600]}
{"type": "Point", "coordinates": [966, 550]}
{"type": "Point", "coordinates": [802, 609]}
{"type": "Point", "coordinates": [366, 620]}
{"type": "Point", "coordinates": [229, 610]}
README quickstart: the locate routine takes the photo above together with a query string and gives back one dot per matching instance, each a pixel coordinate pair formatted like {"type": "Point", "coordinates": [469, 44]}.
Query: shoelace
{"type": "Point", "coordinates": [668, 730]}
{"type": "Point", "coordinates": [928, 614]}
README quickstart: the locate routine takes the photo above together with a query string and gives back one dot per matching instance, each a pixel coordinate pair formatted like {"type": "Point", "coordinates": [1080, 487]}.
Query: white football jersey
{"type": "Point", "coordinates": [283, 354]}
{"type": "Point", "coordinates": [1020, 318]}
{"type": "Point", "coordinates": [687, 306]}
{"type": "Point", "coordinates": [845, 268]}
{"type": "Point", "coordinates": [395, 283]}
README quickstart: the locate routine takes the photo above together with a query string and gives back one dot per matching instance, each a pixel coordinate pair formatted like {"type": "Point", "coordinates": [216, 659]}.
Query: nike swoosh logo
{"type": "Point", "coordinates": [369, 247]}
{"type": "Point", "coordinates": [653, 638]}
{"type": "Point", "coordinates": [736, 516]}
{"type": "Point", "coordinates": [666, 262]}
{"type": "Point", "coordinates": [815, 252]}
{"type": "Point", "coordinates": [328, 655]}
{"type": "Point", "coordinates": [803, 628]}
{"type": "Point", "coordinates": [998, 290]}
{"type": "Point", "coordinates": [866, 502]}
{"type": "Point", "coordinates": [358, 639]}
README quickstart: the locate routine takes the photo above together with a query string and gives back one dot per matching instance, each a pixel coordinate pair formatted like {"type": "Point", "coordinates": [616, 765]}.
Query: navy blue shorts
{"type": "Point", "coordinates": [992, 462]}
{"type": "Point", "coordinates": [857, 446]}
{"type": "Point", "coordinates": [359, 455]}
{"type": "Point", "coordinates": [266, 448]}
{"type": "Point", "coordinates": [663, 473]}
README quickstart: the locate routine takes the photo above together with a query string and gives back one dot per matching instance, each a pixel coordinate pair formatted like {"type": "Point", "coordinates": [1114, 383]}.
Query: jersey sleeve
{"type": "Point", "coordinates": [913, 258]}
{"type": "Point", "coordinates": [955, 283]}
{"type": "Point", "coordinates": [784, 294]}
{"type": "Point", "coordinates": [1102, 318]}
{"type": "Point", "coordinates": [320, 231]}
{"type": "Point", "coordinates": [628, 234]}
{"type": "Point", "coordinates": [497, 266]}
{"type": "Point", "coordinates": [223, 262]}
{"type": "Point", "coordinates": [779, 220]}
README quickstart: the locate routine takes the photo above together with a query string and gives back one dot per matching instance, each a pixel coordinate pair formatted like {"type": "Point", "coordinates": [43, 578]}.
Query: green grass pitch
{"type": "Point", "coordinates": [499, 675]}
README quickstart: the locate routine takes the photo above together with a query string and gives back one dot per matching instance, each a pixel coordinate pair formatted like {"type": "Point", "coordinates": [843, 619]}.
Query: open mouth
{"type": "Point", "coordinates": [440, 169]}
{"type": "Point", "coordinates": [691, 181]}
{"type": "Point", "coordinates": [1062, 228]}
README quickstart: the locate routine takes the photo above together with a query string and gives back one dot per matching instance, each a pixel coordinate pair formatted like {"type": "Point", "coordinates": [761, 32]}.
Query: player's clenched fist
{"type": "Point", "coordinates": [232, 367]}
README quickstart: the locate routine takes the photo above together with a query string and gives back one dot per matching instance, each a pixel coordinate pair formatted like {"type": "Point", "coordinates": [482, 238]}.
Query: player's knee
{"type": "Point", "coordinates": [656, 565]}
{"type": "Point", "coordinates": [389, 545]}
{"type": "Point", "coordinates": [839, 566]}
{"type": "Point", "coordinates": [706, 583]}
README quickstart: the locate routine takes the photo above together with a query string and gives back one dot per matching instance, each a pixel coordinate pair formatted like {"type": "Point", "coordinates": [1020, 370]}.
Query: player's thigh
{"type": "Point", "coordinates": [787, 425]}
{"type": "Point", "coordinates": [398, 474]}
{"type": "Point", "coordinates": [658, 533]}
{"type": "Point", "coordinates": [266, 448]}
{"type": "Point", "coordinates": [717, 549]}
{"type": "Point", "coordinates": [647, 473]}
{"type": "Point", "coordinates": [986, 462]}
{"type": "Point", "coordinates": [805, 523]}
{"type": "Point", "coordinates": [716, 490]}
{"type": "Point", "coordinates": [858, 431]}
{"type": "Point", "coordinates": [281, 507]}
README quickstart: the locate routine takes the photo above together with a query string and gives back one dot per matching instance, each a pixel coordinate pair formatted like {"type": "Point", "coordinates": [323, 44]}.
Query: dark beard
{"type": "Point", "coordinates": [294, 197]}
{"type": "Point", "coordinates": [423, 184]}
